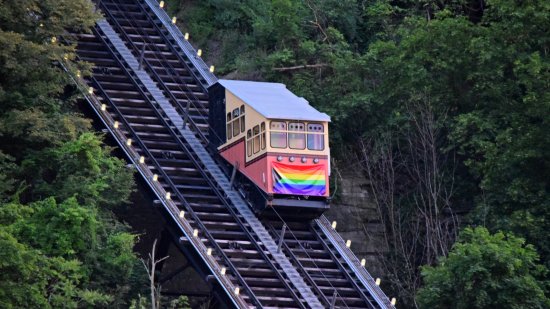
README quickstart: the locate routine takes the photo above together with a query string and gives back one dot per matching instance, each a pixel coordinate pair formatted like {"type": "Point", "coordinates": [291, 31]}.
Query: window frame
{"type": "Point", "coordinates": [297, 132]}
{"type": "Point", "coordinates": [242, 116]}
{"type": "Point", "coordinates": [236, 124]}
{"type": "Point", "coordinates": [312, 134]}
{"type": "Point", "coordinates": [262, 135]}
{"type": "Point", "coordinates": [256, 139]}
{"type": "Point", "coordinates": [249, 143]}
{"type": "Point", "coordinates": [278, 131]}
{"type": "Point", "coordinates": [228, 127]}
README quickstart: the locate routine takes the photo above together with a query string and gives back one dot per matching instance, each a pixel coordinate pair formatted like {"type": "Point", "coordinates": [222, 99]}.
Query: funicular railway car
{"type": "Point", "coordinates": [276, 141]}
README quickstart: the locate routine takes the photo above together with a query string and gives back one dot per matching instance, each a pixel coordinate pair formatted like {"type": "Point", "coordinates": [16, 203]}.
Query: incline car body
{"type": "Point", "coordinates": [274, 138]}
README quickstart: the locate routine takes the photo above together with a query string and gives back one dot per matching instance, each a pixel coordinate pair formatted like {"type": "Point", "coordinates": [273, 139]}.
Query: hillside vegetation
{"type": "Point", "coordinates": [60, 244]}
{"type": "Point", "coordinates": [443, 105]}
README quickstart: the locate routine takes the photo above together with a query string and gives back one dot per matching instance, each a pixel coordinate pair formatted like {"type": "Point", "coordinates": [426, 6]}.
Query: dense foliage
{"type": "Point", "coordinates": [444, 103]}
{"type": "Point", "coordinates": [485, 271]}
{"type": "Point", "coordinates": [60, 245]}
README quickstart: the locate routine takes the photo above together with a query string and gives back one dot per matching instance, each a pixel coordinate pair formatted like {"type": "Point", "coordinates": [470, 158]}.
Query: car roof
{"type": "Point", "coordinates": [273, 100]}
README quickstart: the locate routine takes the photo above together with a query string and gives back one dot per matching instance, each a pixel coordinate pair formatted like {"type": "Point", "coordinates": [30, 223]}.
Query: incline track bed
{"type": "Point", "coordinates": [168, 155]}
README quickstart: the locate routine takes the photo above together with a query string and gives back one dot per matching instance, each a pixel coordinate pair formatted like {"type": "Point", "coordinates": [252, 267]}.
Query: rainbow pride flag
{"type": "Point", "coordinates": [299, 179]}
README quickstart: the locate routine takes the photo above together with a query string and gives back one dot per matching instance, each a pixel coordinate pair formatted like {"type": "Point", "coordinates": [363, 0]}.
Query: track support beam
{"type": "Point", "coordinates": [333, 302]}
{"type": "Point", "coordinates": [233, 174]}
{"type": "Point", "coordinates": [281, 238]}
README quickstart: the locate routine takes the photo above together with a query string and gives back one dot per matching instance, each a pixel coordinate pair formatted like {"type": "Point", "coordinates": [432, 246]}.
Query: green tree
{"type": "Point", "coordinates": [82, 238]}
{"type": "Point", "coordinates": [30, 279]}
{"type": "Point", "coordinates": [485, 271]}
{"type": "Point", "coordinates": [480, 68]}
{"type": "Point", "coordinates": [504, 136]}
{"type": "Point", "coordinates": [83, 168]}
{"type": "Point", "coordinates": [61, 246]}
{"type": "Point", "coordinates": [486, 80]}
{"type": "Point", "coordinates": [35, 108]}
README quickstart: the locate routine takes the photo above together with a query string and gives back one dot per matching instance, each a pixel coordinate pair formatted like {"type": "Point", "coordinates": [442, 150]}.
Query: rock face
{"type": "Point", "coordinates": [357, 219]}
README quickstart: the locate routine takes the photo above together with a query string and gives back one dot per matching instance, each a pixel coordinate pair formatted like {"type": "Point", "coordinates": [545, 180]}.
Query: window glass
{"type": "Point", "coordinates": [249, 147]}
{"type": "Point", "coordinates": [236, 113]}
{"type": "Point", "coordinates": [242, 109]}
{"type": "Point", "coordinates": [249, 143]}
{"type": "Point", "coordinates": [278, 126]}
{"type": "Point", "coordinates": [315, 141]}
{"type": "Point", "coordinates": [256, 143]}
{"type": "Point", "coordinates": [296, 140]}
{"type": "Point", "coordinates": [278, 139]}
{"type": "Point", "coordinates": [255, 132]}
{"type": "Point", "coordinates": [236, 127]}
{"type": "Point", "coordinates": [296, 126]}
{"type": "Point", "coordinates": [262, 141]}
{"type": "Point", "coordinates": [229, 135]}
{"type": "Point", "coordinates": [242, 123]}
{"type": "Point", "coordinates": [263, 126]}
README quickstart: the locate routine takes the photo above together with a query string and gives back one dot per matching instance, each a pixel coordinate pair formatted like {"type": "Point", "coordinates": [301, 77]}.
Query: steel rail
{"type": "Point", "coordinates": [160, 81]}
